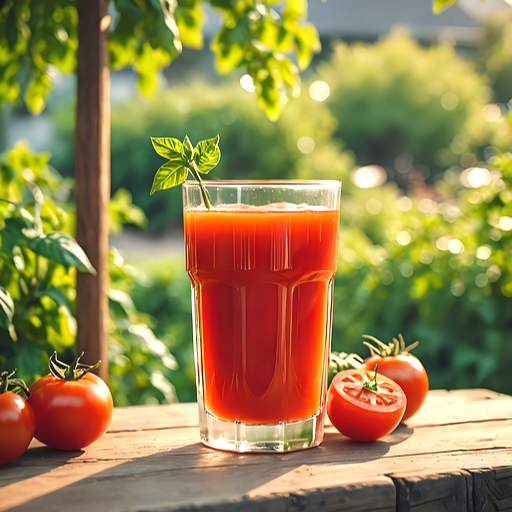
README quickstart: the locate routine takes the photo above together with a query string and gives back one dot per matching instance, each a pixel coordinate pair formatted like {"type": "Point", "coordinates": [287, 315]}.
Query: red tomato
{"type": "Point", "coordinates": [360, 413]}
{"type": "Point", "coordinates": [408, 373]}
{"type": "Point", "coordinates": [70, 414]}
{"type": "Point", "coordinates": [17, 425]}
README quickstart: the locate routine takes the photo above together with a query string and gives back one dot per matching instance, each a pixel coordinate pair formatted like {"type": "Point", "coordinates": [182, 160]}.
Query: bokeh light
{"type": "Point", "coordinates": [442, 243]}
{"type": "Point", "coordinates": [404, 204]}
{"type": "Point", "coordinates": [457, 288]}
{"type": "Point", "coordinates": [455, 246]}
{"type": "Point", "coordinates": [483, 252]}
{"type": "Point", "coordinates": [319, 90]}
{"type": "Point", "coordinates": [426, 257]}
{"type": "Point", "coordinates": [449, 100]}
{"type": "Point", "coordinates": [481, 280]}
{"type": "Point", "coordinates": [475, 177]}
{"type": "Point", "coordinates": [369, 176]}
{"type": "Point", "coordinates": [247, 83]}
{"type": "Point", "coordinates": [491, 113]}
{"type": "Point", "coordinates": [403, 238]}
{"type": "Point", "coordinates": [306, 145]}
{"type": "Point", "coordinates": [406, 270]}
{"type": "Point", "coordinates": [506, 223]}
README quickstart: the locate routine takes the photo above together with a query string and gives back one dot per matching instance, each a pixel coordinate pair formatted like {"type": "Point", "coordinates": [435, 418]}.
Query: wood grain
{"type": "Point", "coordinates": [151, 460]}
{"type": "Point", "coordinates": [92, 174]}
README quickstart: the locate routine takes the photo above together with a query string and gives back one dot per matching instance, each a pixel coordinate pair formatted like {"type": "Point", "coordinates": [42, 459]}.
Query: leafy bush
{"type": "Point", "coordinates": [495, 54]}
{"type": "Point", "coordinates": [437, 269]}
{"type": "Point", "coordinates": [37, 284]}
{"type": "Point", "coordinates": [252, 147]}
{"type": "Point", "coordinates": [396, 97]}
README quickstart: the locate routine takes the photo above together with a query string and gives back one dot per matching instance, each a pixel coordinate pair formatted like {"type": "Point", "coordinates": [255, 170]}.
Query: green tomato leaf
{"type": "Point", "coordinates": [6, 309]}
{"type": "Point", "coordinates": [56, 294]}
{"type": "Point", "coordinates": [441, 5]}
{"type": "Point", "coordinates": [18, 230]}
{"type": "Point", "coordinates": [62, 248]}
{"type": "Point", "coordinates": [167, 147]}
{"type": "Point", "coordinates": [172, 173]}
{"type": "Point", "coordinates": [207, 154]}
{"type": "Point", "coordinates": [188, 149]}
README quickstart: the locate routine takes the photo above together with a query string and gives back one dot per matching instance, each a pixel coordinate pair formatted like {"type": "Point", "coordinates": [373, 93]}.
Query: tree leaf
{"type": "Point", "coordinates": [6, 309]}
{"type": "Point", "coordinates": [307, 42]}
{"type": "Point", "coordinates": [62, 248]}
{"type": "Point", "coordinates": [441, 5]}
{"type": "Point", "coordinates": [188, 149]}
{"type": "Point", "coordinates": [56, 294]}
{"type": "Point", "coordinates": [172, 173]}
{"type": "Point", "coordinates": [168, 147]}
{"type": "Point", "coordinates": [207, 154]}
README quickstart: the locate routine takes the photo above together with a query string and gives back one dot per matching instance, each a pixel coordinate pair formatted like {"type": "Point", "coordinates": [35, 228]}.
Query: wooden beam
{"type": "Point", "coordinates": [92, 173]}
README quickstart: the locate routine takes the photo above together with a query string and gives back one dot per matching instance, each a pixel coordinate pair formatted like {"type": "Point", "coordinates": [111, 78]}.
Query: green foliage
{"type": "Point", "coordinates": [262, 37]}
{"type": "Point", "coordinates": [440, 5]}
{"type": "Point", "coordinates": [495, 54]}
{"type": "Point", "coordinates": [39, 258]}
{"type": "Point", "coordinates": [449, 284]}
{"type": "Point", "coordinates": [395, 97]}
{"type": "Point", "coordinates": [252, 147]}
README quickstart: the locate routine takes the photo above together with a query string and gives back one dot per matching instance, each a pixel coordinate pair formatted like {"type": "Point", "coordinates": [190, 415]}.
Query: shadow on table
{"type": "Point", "coordinates": [35, 462]}
{"type": "Point", "coordinates": [199, 475]}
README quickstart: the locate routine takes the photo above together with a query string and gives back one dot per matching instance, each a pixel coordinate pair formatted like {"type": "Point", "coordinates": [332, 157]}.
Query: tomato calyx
{"type": "Point", "coordinates": [10, 385]}
{"type": "Point", "coordinates": [394, 348]}
{"type": "Point", "coordinates": [372, 385]}
{"type": "Point", "coordinates": [74, 371]}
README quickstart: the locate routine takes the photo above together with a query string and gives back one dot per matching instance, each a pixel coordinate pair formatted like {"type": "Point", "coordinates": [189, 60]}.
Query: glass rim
{"type": "Point", "coordinates": [266, 183]}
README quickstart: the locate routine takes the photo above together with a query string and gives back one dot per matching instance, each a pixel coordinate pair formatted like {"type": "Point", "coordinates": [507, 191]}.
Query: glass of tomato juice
{"type": "Point", "coordinates": [262, 262]}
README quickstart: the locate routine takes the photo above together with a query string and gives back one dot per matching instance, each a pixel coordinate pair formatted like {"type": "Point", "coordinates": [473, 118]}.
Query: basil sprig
{"type": "Point", "coordinates": [184, 158]}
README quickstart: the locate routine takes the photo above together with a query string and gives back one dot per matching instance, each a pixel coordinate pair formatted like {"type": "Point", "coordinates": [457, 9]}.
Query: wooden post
{"type": "Point", "coordinates": [92, 173]}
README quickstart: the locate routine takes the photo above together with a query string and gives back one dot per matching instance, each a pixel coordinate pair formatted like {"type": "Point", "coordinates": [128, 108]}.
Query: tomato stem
{"type": "Point", "coordinates": [10, 385]}
{"type": "Point", "coordinates": [372, 384]}
{"type": "Point", "coordinates": [394, 348]}
{"type": "Point", "coordinates": [74, 371]}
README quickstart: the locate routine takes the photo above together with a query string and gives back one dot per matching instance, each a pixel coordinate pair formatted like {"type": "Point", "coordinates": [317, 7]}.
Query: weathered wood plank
{"type": "Point", "coordinates": [154, 417]}
{"type": "Point", "coordinates": [493, 489]}
{"type": "Point", "coordinates": [441, 492]}
{"type": "Point", "coordinates": [441, 408]}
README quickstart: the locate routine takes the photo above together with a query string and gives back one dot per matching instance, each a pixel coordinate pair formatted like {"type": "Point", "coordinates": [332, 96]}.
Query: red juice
{"type": "Point", "coordinates": [262, 279]}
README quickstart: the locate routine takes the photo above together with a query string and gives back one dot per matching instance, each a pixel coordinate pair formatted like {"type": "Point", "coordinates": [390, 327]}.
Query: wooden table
{"type": "Point", "coordinates": [454, 455]}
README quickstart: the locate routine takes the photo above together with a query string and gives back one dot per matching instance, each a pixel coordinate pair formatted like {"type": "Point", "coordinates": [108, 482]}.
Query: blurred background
{"type": "Point", "coordinates": [410, 110]}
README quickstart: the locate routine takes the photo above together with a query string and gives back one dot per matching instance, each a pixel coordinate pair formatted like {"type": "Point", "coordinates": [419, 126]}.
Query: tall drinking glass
{"type": "Point", "coordinates": [262, 263]}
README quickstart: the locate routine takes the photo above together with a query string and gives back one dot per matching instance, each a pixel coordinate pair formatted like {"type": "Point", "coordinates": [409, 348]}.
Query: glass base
{"type": "Point", "coordinates": [236, 436]}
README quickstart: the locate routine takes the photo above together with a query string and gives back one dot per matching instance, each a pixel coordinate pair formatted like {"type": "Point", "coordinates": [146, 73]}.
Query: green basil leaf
{"type": "Point", "coordinates": [441, 5]}
{"type": "Point", "coordinates": [6, 308]}
{"type": "Point", "coordinates": [169, 148]}
{"type": "Point", "coordinates": [207, 154]}
{"type": "Point", "coordinates": [172, 173]}
{"type": "Point", "coordinates": [56, 294]}
{"type": "Point", "coordinates": [62, 248]}
{"type": "Point", "coordinates": [188, 149]}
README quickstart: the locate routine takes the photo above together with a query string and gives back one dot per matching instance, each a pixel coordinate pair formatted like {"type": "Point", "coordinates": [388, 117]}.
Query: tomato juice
{"type": "Point", "coordinates": [262, 279]}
